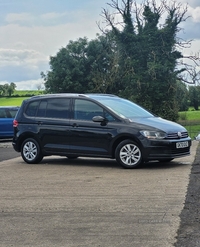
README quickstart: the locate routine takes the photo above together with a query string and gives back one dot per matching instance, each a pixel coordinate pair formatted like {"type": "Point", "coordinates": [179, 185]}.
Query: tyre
{"type": "Point", "coordinates": [128, 154]}
{"type": "Point", "coordinates": [30, 151]}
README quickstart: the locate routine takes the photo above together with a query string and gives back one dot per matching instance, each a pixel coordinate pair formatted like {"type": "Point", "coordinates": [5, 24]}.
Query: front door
{"type": "Point", "coordinates": [88, 137]}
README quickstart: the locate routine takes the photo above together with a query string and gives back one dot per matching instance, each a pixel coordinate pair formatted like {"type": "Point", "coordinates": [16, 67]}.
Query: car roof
{"type": "Point", "coordinates": [72, 95]}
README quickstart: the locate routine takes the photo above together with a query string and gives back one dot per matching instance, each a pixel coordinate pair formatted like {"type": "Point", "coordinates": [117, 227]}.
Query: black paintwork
{"type": "Point", "coordinates": [98, 137]}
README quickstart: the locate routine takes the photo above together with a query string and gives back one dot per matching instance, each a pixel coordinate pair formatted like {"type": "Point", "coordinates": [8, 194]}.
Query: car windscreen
{"type": "Point", "coordinates": [124, 108]}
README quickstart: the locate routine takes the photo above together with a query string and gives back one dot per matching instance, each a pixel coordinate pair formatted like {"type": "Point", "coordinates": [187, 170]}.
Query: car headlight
{"type": "Point", "coordinates": [153, 134]}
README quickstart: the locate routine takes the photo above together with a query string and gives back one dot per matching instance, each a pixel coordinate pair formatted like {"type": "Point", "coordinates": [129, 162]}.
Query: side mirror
{"type": "Point", "coordinates": [98, 119]}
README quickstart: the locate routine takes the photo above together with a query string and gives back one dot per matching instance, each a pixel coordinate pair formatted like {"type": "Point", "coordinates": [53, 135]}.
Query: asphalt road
{"type": "Point", "coordinates": [92, 202]}
{"type": "Point", "coordinates": [6, 150]}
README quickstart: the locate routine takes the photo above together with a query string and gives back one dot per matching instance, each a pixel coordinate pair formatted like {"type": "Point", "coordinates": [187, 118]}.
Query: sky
{"type": "Point", "coordinates": [33, 30]}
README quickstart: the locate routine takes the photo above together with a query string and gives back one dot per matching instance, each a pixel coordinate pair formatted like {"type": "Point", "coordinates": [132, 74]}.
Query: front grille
{"type": "Point", "coordinates": [179, 151]}
{"type": "Point", "coordinates": [177, 136]}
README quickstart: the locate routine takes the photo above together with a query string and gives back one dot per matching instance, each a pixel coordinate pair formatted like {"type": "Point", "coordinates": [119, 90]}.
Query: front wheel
{"type": "Point", "coordinates": [128, 154]}
{"type": "Point", "coordinates": [31, 152]}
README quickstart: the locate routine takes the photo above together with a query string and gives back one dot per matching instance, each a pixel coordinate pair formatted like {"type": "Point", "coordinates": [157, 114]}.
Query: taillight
{"type": "Point", "coordinates": [15, 123]}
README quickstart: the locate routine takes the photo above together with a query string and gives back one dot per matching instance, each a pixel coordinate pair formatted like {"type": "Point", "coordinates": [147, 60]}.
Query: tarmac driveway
{"type": "Point", "coordinates": [91, 203]}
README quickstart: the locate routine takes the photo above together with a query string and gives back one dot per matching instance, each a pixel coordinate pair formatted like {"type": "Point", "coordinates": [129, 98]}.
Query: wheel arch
{"type": "Point", "coordinates": [27, 135]}
{"type": "Point", "coordinates": [122, 138]}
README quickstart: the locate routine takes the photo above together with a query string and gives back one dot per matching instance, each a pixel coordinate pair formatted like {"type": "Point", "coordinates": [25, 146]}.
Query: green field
{"type": "Point", "coordinates": [191, 121]}
{"type": "Point", "coordinates": [20, 96]}
{"type": "Point", "coordinates": [11, 101]}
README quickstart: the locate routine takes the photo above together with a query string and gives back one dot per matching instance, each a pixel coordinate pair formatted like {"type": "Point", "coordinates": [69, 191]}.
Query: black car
{"type": "Point", "coordinates": [95, 125]}
{"type": "Point", "coordinates": [7, 115]}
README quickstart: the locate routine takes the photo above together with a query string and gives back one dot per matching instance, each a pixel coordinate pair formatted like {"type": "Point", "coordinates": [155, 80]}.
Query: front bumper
{"type": "Point", "coordinates": [165, 149]}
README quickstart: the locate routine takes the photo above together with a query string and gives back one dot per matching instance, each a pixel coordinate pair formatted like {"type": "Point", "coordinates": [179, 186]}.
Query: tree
{"type": "Point", "coordinates": [194, 95]}
{"type": "Point", "coordinates": [86, 66]}
{"type": "Point", "coordinates": [69, 69]}
{"type": "Point", "coordinates": [81, 67]}
{"type": "Point", "coordinates": [106, 75]}
{"type": "Point", "coordinates": [182, 96]}
{"type": "Point", "coordinates": [7, 90]}
{"type": "Point", "coordinates": [1, 90]}
{"type": "Point", "coordinates": [151, 49]}
{"type": "Point", "coordinates": [11, 88]}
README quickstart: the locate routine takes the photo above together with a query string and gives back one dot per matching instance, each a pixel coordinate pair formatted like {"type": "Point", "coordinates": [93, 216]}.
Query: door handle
{"type": "Point", "coordinates": [74, 125]}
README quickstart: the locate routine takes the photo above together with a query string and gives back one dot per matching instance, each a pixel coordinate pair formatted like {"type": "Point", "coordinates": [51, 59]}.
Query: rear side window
{"type": "Point", "coordinates": [57, 108]}
{"type": "Point", "coordinates": [32, 108]}
{"type": "Point", "coordinates": [42, 109]}
{"type": "Point", "coordinates": [49, 108]}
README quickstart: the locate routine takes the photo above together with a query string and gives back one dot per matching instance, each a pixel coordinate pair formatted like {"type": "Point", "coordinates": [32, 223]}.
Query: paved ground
{"type": "Point", "coordinates": [94, 203]}
{"type": "Point", "coordinates": [6, 150]}
{"type": "Point", "coordinates": [189, 231]}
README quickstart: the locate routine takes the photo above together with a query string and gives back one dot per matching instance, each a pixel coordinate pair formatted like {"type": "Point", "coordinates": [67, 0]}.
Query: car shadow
{"type": "Point", "coordinates": [89, 162]}
{"type": "Point", "coordinates": [108, 163]}
{"type": "Point", "coordinates": [163, 165]}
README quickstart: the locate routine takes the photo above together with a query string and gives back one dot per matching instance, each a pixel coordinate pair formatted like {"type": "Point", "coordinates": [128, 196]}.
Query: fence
{"type": "Point", "coordinates": [192, 126]}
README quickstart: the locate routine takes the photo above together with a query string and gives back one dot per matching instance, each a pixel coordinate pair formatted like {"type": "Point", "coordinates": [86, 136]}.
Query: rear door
{"type": "Point", "coordinates": [52, 119]}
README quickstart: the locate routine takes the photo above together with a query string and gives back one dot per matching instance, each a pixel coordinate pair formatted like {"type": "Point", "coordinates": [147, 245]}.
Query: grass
{"type": "Point", "coordinates": [11, 101]}
{"type": "Point", "coordinates": [189, 115]}
{"type": "Point", "coordinates": [20, 96]}
{"type": "Point", "coordinates": [191, 121]}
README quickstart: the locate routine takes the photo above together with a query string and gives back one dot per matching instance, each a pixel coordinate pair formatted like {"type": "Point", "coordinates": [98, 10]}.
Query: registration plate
{"type": "Point", "coordinates": [181, 144]}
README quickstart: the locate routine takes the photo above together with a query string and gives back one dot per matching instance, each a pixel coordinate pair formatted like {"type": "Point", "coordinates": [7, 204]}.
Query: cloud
{"type": "Point", "coordinates": [29, 36]}
{"type": "Point", "coordinates": [25, 50]}
{"type": "Point", "coordinates": [53, 15]}
{"type": "Point", "coordinates": [21, 18]}
{"type": "Point", "coordinates": [18, 65]}
{"type": "Point", "coordinates": [192, 3]}
{"type": "Point", "coordinates": [20, 57]}
{"type": "Point", "coordinates": [27, 85]}
{"type": "Point", "coordinates": [194, 13]}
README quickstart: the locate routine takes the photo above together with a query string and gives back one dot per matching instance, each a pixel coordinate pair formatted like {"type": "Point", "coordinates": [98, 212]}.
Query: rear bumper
{"type": "Point", "coordinates": [15, 147]}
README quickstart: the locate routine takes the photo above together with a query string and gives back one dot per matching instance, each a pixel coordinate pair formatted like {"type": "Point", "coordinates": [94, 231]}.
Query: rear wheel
{"type": "Point", "coordinates": [31, 152]}
{"type": "Point", "coordinates": [128, 154]}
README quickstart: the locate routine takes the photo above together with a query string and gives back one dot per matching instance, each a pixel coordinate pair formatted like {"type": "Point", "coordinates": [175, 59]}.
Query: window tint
{"type": "Point", "coordinates": [7, 113]}
{"type": "Point", "coordinates": [50, 108]}
{"type": "Point", "coordinates": [57, 108]}
{"type": "Point", "coordinates": [86, 110]}
{"type": "Point", "coordinates": [2, 113]}
{"type": "Point", "coordinates": [42, 109]}
{"type": "Point", "coordinates": [12, 113]}
{"type": "Point", "coordinates": [32, 108]}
